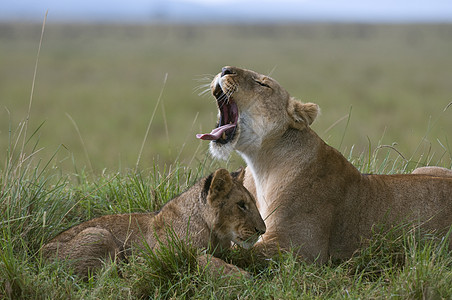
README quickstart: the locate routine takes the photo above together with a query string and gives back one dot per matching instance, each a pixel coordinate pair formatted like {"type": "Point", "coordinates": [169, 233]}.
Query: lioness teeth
{"type": "Point", "coordinates": [223, 136]}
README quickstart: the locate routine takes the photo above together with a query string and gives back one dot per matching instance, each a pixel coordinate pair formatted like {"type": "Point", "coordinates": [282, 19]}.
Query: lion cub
{"type": "Point", "coordinates": [215, 211]}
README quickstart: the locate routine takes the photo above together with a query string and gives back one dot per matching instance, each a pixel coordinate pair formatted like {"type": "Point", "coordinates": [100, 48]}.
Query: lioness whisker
{"type": "Point", "coordinates": [205, 78]}
{"type": "Point", "coordinates": [231, 91]}
{"type": "Point", "coordinates": [202, 89]}
{"type": "Point", "coordinates": [223, 99]}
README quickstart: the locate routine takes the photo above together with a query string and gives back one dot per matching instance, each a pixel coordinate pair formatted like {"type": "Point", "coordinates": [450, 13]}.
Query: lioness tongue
{"type": "Point", "coordinates": [215, 134]}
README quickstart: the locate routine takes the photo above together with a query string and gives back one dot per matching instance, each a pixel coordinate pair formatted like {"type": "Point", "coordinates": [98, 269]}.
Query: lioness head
{"type": "Point", "coordinates": [231, 210]}
{"type": "Point", "coordinates": [251, 108]}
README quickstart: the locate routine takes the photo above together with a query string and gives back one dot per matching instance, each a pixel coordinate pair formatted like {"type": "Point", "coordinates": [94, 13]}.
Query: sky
{"type": "Point", "coordinates": [229, 10]}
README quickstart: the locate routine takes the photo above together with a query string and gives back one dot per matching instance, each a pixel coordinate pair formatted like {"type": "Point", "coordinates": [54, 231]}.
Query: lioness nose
{"type": "Point", "coordinates": [227, 71]}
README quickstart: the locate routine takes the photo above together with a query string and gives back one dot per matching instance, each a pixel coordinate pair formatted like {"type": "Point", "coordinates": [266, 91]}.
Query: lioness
{"type": "Point", "coordinates": [312, 199]}
{"type": "Point", "coordinates": [211, 214]}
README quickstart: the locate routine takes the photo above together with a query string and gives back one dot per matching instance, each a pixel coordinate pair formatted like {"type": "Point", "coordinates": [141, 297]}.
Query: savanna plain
{"type": "Point", "coordinates": [107, 125]}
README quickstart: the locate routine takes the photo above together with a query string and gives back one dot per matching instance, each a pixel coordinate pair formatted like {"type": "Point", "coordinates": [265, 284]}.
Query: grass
{"type": "Point", "coordinates": [46, 189]}
{"type": "Point", "coordinates": [401, 263]}
{"type": "Point", "coordinates": [103, 82]}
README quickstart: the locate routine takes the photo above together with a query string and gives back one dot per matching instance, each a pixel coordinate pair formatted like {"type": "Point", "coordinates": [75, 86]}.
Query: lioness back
{"type": "Point", "coordinates": [214, 212]}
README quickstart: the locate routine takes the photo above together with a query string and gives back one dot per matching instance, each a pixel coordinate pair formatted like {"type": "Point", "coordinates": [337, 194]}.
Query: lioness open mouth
{"type": "Point", "coordinates": [227, 124]}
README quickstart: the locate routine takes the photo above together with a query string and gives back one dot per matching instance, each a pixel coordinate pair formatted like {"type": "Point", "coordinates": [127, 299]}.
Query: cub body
{"type": "Point", "coordinates": [216, 211]}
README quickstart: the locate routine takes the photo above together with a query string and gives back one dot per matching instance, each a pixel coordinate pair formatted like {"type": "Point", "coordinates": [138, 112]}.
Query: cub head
{"type": "Point", "coordinates": [252, 108]}
{"type": "Point", "coordinates": [231, 210]}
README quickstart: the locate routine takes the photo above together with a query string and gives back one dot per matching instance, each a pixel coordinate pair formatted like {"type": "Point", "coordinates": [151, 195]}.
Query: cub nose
{"type": "Point", "coordinates": [259, 231]}
{"type": "Point", "coordinates": [227, 71]}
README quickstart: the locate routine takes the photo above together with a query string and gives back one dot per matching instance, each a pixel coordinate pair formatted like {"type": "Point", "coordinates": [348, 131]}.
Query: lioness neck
{"type": "Point", "coordinates": [279, 153]}
{"type": "Point", "coordinates": [272, 164]}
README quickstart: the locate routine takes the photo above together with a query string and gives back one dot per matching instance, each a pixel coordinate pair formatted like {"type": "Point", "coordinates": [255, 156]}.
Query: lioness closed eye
{"type": "Point", "coordinates": [214, 212]}
{"type": "Point", "coordinates": [311, 197]}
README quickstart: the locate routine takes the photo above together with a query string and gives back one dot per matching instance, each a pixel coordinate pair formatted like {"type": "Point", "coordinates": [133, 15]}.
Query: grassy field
{"type": "Point", "coordinates": [400, 264]}
{"type": "Point", "coordinates": [97, 86]}
{"type": "Point", "coordinates": [96, 90]}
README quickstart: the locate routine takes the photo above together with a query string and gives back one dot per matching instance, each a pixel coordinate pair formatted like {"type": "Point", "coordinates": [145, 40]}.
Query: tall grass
{"type": "Point", "coordinates": [37, 203]}
{"type": "Point", "coordinates": [108, 78]}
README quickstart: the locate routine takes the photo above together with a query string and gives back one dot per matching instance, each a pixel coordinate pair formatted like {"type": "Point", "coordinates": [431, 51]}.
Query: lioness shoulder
{"type": "Point", "coordinates": [214, 212]}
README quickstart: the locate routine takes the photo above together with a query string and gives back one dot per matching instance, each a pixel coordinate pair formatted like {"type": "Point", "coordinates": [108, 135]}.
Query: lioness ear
{"type": "Point", "coordinates": [221, 184]}
{"type": "Point", "coordinates": [239, 175]}
{"type": "Point", "coordinates": [302, 114]}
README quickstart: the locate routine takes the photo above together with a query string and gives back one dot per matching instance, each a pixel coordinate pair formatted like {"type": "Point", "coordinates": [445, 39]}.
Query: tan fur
{"type": "Point", "coordinates": [214, 212]}
{"type": "Point", "coordinates": [433, 171]}
{"type": "Point", "coordinates": [311, 197]}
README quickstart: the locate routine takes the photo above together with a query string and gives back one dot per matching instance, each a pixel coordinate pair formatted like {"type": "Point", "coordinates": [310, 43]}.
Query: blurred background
{"type": "Point", "coordinates": [380, 71]}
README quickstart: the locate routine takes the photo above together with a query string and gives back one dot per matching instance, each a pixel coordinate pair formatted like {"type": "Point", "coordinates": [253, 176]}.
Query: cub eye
{"type": "Point", "coordinates": [262, 84]}
{"type": "Point", "coordinates": [242, 205]}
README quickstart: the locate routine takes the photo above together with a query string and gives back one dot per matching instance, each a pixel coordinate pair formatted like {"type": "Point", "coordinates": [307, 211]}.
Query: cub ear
{"type": "Point", "coordinates": [239, 175]}
{"type": "Point", "coordinates": [221, 184]}
{"type": "Point", "coordinates": [302, 114]}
